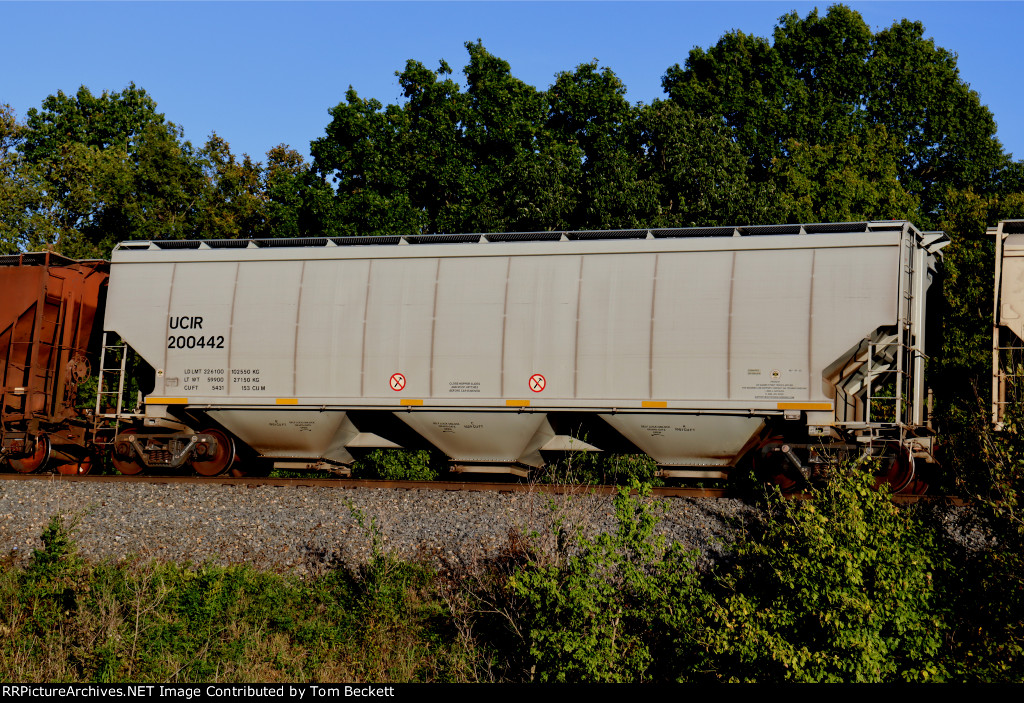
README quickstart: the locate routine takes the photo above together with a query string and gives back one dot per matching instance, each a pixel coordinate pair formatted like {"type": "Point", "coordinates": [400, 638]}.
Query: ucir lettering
{"type": "Point", "coordinates": [186, 322]}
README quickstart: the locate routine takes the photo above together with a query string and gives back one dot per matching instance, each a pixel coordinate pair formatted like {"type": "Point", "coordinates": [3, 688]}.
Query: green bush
{"type": "Point", "coordinates": [985, 587]}
{"type": "Point", "coordinates": [59, 555]}
{"type": "Point", "coordinates": [609, 611]}
{"type": "Point", "coordinates": [69, 620]}
{"type": "Point", "coordinates": [841, 587]}
{"type": "Point", "coordinates": [601, 468]}
{"type": "Point", "coordinates": [836, 588]}
{"type": "Point", "coordinates": [398, 465]}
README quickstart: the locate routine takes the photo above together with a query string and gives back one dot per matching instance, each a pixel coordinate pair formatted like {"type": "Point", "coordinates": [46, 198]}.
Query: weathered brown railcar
{"type": "Point", "coordinates": [48, 307]}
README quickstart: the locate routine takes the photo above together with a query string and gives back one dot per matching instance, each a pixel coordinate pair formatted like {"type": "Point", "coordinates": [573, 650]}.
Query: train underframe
{"type": "Point", "coordinates": [781, 452]}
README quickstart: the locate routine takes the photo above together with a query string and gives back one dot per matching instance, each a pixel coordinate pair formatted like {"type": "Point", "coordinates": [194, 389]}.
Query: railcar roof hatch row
{"type": "Point", "coordinates": [488, 237]}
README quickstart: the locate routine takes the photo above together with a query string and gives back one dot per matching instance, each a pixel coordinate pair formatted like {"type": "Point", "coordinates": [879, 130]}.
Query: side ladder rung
{"type": "Point", "coordinates": [106, 371]}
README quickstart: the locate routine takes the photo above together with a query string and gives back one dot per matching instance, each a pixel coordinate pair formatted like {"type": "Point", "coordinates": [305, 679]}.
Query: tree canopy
{"type": "Point", "coordinates": [825, 120]}
{"type": "Point", "coordinates": [84, 172]}
{"type": "Point", "coordinates": [825, 83]}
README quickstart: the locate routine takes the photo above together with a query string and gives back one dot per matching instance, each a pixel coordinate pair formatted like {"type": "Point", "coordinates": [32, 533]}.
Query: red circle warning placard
{"type": "Point", "coordinates": [397, 381]}
{"type": "Point", "coordinates": [537, 383]}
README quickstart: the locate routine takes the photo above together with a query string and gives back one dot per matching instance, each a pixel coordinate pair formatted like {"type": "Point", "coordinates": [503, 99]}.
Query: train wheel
{"type": "Point", "coordinates": [771, 466]}
{"type": "Point", "coordinates": [918, 486]}
{"type": "Point", "coordinates": [77, 468]}
{"type": "Point", "coordinates": [35, 461]}
{"type": "Point", "coordinates": [217, 462]}
{"type": "Point", "coordinates": [124, 458]}
{"type": "Point", "coordinates": [896, 471]}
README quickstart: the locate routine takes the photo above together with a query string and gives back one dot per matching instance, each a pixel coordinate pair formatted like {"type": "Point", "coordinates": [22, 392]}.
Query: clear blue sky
{"type": "Point", "coordinates": [264, 73]}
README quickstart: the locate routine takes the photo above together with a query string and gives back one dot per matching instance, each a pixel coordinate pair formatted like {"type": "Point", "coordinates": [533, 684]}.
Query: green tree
{"type": "Point", "coordinates": [525, 176]}
{"type": "Point", "coordinates": [445, 160]}
{"type": "Point", "coordinates": [500, 156]}
{"type": "Point", "coordinates": [698, 172]}
{"type": "Point", "coordinates": [165, 185]}
{"type": "Point", "coordinates": [439, 162]}
{"type": "Point", "coordinates": [400, 169]}
{"type": "Point", "coordinates": [288, 186]}
{"type": "Point", "coordinates": [109, 168]}
{"type": "Point", "coordinates": [854, 178]}
{"type": "Point", "coordinates": [233, 203]}
{"type": "Point", "coordinates": [24, 201]}
{"type": "Point", "coordinates": [361, 154]}
{"type": "Point", "coordinates": [742, 81]}
{"type": "Point", "coordinates": [110, 119]}
{"type": "Point", "coordinates": [1010, 179]}
{"type": "Point", "coordinates": [589, 110]}
{"type": "Point", "coordinates": [915, 90]}
{"type": "Point", "coordinates": [85, 172]}
{"type": "Point", "coordinates": [830, 83]}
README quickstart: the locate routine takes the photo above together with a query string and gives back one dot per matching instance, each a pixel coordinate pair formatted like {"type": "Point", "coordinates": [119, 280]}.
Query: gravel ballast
{"type": "Point", "coordinates": [308, 529]}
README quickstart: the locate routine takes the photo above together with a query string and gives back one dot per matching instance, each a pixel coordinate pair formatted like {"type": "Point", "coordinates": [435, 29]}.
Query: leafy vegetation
{"type": "Point", "coordinates": [841, 587]}
{"type": "Point", "coordinates": [84, 172]}
{"type": "Point", "coordinates": [826, 120]}
{"type": "Point", "coordinates": [987, 585]}
{"type": "Point", "coordinates": [400, 464]}
{"type": "Point", "coordinates": [69, 620]}
{"type": "Point", "coordinates": [611, 606]}
{"type": "Point", "coordinates": [837, 588]}
{"type": "Point", "coordinates": [600, 468]}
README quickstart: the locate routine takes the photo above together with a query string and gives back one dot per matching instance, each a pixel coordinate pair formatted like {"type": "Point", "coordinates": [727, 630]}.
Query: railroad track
{"type": "Point", "coordinates": [347, 483]}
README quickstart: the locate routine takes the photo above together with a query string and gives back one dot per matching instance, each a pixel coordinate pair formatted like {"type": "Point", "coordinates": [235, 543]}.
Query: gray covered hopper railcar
{"type": "Point", "coordinates": [696, 346]}
{"type": "Point", "coordinates": [1008, 322]}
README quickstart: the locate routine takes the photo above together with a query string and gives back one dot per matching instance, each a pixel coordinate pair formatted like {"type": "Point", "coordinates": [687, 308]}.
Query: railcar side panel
{"type": "Point", "coordinates": [399, 325]}
{"type": "Point", "coordinates": [853, 289]}
{"type": "Point", "coordinates": [693, 295]}
{"type": "Point", "coordinates": [332, 322]}
{"type": "Point", "coordinates": [1008, 317]}
{"type": "Point", "coordinates": [264, 329]}
{"type": "Point", "coordinates": [658, 335]}
{"type": "Point", "coordinates": [540, 325]}
{"type": "Point", "coordinates": [769, 340]}
{"type": "Point", "coordinates": [199, 327]}
{"type": "Point", "coordinates": [466, 338]}
{"type": "Point", "coordinates": [138, 308]}
{"type": "Point", "coordinates": [613, 351]}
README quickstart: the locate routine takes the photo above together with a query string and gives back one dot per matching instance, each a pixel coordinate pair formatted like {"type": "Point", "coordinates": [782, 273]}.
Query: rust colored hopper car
{"type": "Point", "coordinates": [48, 310]}
{"type": "Point", "coordinates": [784, 345]}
